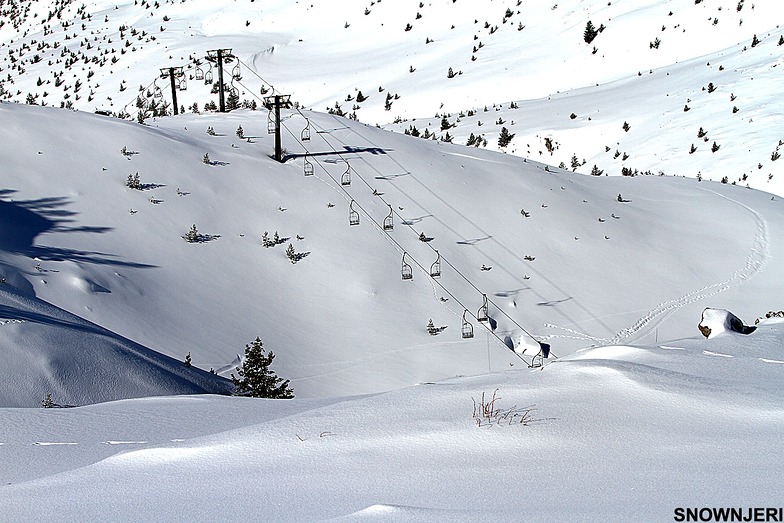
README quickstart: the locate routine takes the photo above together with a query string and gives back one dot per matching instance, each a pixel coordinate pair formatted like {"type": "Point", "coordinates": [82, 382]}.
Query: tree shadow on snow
{"type": "Point", "coordinates": [24, 220]}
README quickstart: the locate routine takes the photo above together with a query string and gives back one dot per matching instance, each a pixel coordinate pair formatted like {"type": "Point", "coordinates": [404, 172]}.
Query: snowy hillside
{"type": "Point", "coordinates": [406, 284]}
{"type": "Point", "coordinates": [557, 255]}
{"type": "Point", "coordinates": [666, 68]}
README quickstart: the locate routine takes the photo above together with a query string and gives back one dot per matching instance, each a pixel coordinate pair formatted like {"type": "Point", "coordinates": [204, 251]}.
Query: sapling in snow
{"type": "Point", "coordinates": [192, 235]}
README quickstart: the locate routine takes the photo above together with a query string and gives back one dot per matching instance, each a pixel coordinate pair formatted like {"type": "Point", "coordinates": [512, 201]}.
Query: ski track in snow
{"type": "Point", "coordinates": [757, 258]}
{"type": "Point", "coordinates": [759, 255]}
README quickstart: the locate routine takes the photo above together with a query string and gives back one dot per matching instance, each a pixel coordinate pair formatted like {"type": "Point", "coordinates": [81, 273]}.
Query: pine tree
{"type": "Point", "coordinates": [188, 360]}
{"type": "Point", "coordinates": [240, 133]}
{"type": "Point", "coordinates": [505, 137]}
{"type": "Point", "coordinates": [445, 124]}
{"type": "Point", "coordinates": [255, 379]}
{"type": "Point", "coordinates": [590, 32]}
{"type": "Point", "coordinates": [206, 158]}
{"type": "Point", "coordinates": [47, 402]}
{"type": "Point", "coordinates": [233, 100]}
{"type": "Point", "coordinates": [192, 235]}
{"type": "Point", "coordinates": [291, 254]}
{"type": "Point", "coordinates": [133, 181]}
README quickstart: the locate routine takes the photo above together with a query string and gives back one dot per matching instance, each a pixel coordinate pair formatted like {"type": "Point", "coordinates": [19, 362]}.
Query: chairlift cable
{"type": "Point", "coordinates": [410, 226]}
{"type": "Point", "coordinates": [358, 207]}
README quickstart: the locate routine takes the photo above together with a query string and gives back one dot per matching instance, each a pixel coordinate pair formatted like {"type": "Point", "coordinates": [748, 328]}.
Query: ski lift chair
{"type": "Point", "coordinates": [405, 270]}
{"type": "Point", "coordinates": [435, 268]}
{"type": "Point", "coordinates": [346, 178]}
{"type": "Point", "coordinates": [353, 216]}
{"type": "Point", "coordinates": [467, 330]}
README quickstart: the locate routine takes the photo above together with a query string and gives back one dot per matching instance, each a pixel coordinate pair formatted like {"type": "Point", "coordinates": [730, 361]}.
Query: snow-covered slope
{"type": "Point", "coordinates": [635, 415]}
{"type": "Point", "coordinates": [651, 61]}
{"type": "Point", "coordinates": [49, 351]}
{"type": "Point", "coordinates": [616, 433]}
{"type": "Point", "coordinates": [556, 254]}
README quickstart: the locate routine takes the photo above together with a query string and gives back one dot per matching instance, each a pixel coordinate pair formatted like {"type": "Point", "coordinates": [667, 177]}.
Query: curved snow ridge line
{"type": "Point", "coordinates": [757, 258]}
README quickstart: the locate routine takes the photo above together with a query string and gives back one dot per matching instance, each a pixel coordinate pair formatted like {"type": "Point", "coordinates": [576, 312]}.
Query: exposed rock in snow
{"type": "Point", "coordinates": [717, 321]}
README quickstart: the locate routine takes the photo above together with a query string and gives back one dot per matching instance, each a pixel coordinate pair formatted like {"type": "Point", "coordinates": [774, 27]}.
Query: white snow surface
{"type": "Point", "coordinates": [635, 413]}
{"type": "Point", "coordinates": [323, 54]}
{"type": "Point", "coordinates": [614, 437]}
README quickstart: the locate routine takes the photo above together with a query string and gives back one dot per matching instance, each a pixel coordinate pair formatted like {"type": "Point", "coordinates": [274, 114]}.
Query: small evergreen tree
{"type": "Point", "coordinates": [255, 379]}
{"type": "Point", "coordinates": [206, 158]}
{"type": "Point", "coordinates": [590, 32]}
{"type": "Point", "coordinates": [291, 254]}
{"type": "Point", "coordinates": [240, 133]}
{"type": "Point", "coordinates": [133, 182]}
{"type": "Point", "coordinates": [192, 235]}
{"type": "Point", "coordinates": [188, 360]}
{"type": "Point", "coordinates": [47, 402]}
{"type": "Point", "coordinates": [233, 100]}
{"type": "Point", "coordinates": [505, 137]}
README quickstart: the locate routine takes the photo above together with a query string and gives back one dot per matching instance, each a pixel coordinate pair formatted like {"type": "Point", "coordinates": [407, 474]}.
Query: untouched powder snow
{"type": "Point", "coordinates": [629, 438]}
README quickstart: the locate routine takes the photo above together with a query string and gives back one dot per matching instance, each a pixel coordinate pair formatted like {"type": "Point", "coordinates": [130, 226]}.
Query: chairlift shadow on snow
{"type": "Point", "coordinates": [553, 303]}
{"type": "Point", "coordinates": [338, 154]}
{"type": "Point", "coordinates": [473, 241]}
{"type": "Point", "coordinates": [513, 292]}
{"type": "Point", "coordinates": [391, 176]}
{"type": "Point", "coordinates": [412, 221]}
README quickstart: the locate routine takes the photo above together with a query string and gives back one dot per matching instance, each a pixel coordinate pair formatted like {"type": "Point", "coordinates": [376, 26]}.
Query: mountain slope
{"type": "Point", "coordinates": [581, 269]}
{"type": "Point", "coordinates": [499, 52]}
{"type": "Point", "coordinates": [47, 351]}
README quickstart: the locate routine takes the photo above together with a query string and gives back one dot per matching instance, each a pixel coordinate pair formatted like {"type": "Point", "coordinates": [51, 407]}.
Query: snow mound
{"type": "Point", "coordinates": [719, 321]}
{"type": "Point", "coordinates": [50, 351]}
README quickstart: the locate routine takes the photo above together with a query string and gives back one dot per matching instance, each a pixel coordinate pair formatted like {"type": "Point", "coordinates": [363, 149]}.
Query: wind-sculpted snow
{"type": "Point", "coordinates": [621, 433]}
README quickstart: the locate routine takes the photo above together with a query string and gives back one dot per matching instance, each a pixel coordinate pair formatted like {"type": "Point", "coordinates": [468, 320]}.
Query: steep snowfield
{"type": "Point", "coordinates": [582, 269]}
